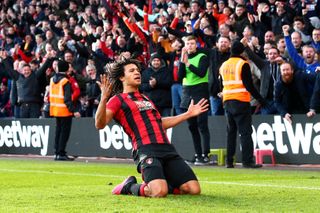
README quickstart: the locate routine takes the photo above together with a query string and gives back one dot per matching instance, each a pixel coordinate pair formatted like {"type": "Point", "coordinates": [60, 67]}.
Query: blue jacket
{"type": "Point", "coordinates": [299, 61]}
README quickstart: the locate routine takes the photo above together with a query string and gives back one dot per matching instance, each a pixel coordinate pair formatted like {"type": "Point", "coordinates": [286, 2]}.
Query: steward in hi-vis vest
{"type": "Point", "coordinates": [57, 106]}
{"type": "Point", "coordinates": [61, 107]}
{"type": "Point", "coordinates": [233, 88]}
{"type": "Point", "coordinates": [237, 86]}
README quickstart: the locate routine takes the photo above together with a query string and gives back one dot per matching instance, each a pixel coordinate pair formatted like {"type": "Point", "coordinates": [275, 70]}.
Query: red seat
{"type": "Point", "coordinates": [260, 153]}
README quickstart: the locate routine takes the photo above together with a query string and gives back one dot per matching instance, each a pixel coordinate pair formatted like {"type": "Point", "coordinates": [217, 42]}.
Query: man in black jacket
{"type": "Point", "coordinates": [173, 59]}
{"type": "Point", "coordinates": [291, 92]}
{"type": "Point", "coordinates": [315, 99]}
{"type": "Point", "coordinates": [270, 74]}
{"type": "Point", "coordinates": [28, 85]}
{"type": "Point", "coordinates": [156, 84]}
{"type": "Point", "coordinates": [218, 55]}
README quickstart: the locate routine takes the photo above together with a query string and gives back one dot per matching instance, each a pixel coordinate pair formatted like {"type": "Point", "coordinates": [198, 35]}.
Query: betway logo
{"type": "Point", "coordinates": [306, 137]}
{"type": "Point", "coordinates": [25, 136]}
{"type": "Point", "coordinates": [116, 137]}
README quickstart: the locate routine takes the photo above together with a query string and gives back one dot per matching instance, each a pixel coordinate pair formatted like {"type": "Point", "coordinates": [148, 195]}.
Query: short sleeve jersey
{"type": "Point", "coordinates": [139, 119]}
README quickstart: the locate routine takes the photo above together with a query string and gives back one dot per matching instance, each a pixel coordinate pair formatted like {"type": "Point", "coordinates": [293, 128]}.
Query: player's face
{"type": "Point", "coordinates": [132, 76]}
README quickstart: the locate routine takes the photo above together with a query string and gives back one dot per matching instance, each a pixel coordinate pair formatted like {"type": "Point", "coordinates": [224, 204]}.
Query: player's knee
{"type": "Point", "coordinates": [158, 191]}
{"type": "Point", "coordinates": [195, 190]}
{"type": "Point", "coordinates": [191, 187]}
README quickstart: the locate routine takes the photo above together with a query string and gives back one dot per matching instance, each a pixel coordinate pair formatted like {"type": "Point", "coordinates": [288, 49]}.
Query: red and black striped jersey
{"type": "Point", "coordinates": [139, 118]}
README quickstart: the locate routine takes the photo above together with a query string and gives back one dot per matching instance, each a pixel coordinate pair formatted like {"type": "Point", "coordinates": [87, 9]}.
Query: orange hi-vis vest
{"type": "Point", "coordinates": [56, 98]}
{"type": "Point", "coordinates": [233, 88]}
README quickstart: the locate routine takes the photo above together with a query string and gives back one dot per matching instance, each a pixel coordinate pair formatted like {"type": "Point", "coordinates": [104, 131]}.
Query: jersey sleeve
{"type": "Point", "coordinates": [114, 104]}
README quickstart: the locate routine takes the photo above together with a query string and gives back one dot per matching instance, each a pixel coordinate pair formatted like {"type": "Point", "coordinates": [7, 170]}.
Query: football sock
{"type": "Point", "coordinates": [138, 189]}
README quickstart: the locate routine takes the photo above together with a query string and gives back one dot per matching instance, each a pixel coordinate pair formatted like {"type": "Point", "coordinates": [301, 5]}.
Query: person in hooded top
{"type": "Point", "coordinates": [156, 84]}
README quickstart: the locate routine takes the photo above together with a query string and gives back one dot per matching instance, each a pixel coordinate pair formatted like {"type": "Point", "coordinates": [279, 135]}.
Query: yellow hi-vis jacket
{"type": "Point", "coordinates": [233, 88]}
{"type": "Point", "coordinates": [56, 98]}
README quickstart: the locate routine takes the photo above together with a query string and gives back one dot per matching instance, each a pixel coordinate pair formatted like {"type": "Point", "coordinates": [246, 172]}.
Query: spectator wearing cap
{"type": "Point", "coordinates": [61, 107]}
{"type": "Point", "coordinates": [237, 87]}
{"type": "Point", "coordinates": [156, 84]}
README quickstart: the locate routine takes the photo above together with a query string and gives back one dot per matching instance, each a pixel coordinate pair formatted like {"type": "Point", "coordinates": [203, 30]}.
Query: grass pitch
{"type": "Point", "coordinates": [37, 185]}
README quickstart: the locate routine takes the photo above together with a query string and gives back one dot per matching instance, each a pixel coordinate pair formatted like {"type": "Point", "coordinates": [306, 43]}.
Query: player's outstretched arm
{"type": "Point", "coordinates": [193, 110]}
{"type": "Point", "coordinates": [103, 115]}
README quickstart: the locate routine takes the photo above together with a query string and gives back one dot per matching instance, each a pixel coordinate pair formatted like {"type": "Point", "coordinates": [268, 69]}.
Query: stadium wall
{"type": "Point", "coordinates": [296, 143]}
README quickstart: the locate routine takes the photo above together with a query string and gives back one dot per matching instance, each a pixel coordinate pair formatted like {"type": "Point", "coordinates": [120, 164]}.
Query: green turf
{"type": "Point", "coordinates": [48, 186]}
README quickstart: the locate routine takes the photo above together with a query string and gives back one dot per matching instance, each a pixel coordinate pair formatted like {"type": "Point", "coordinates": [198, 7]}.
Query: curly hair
{"type": "Point", "coordinates": [115, 70]}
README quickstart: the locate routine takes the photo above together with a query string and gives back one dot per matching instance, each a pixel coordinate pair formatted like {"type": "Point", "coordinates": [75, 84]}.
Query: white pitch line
{"type": "Point", "coordinates": [59, 173]}
{"type": "Point", "coordinates": [262, 185]}
{"type": "Point", "coordinates": [202, 181]}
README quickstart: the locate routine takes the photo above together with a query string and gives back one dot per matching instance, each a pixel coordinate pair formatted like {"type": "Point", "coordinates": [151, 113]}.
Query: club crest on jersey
{"type": "Point", "coordinates": [144, 105]}
{"type": "Point", "coordinates": [149, 161]}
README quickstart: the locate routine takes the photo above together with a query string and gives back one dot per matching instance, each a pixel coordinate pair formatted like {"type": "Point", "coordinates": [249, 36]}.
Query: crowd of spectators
{"type": "Point", "coordinates": [88, 34]}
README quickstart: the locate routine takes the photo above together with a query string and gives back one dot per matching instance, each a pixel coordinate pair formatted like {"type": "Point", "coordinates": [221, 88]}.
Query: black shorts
{"type": "Point", "coordinates": [173, 169]}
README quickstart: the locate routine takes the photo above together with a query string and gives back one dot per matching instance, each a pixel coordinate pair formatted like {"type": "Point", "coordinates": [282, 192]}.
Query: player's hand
{"type": "Point", "coordinates": [200, 107]}
{"type": "Point", "coordinates": [105, 86]}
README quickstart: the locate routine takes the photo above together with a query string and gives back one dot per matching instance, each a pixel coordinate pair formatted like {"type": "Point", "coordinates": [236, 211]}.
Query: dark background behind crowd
{"type": "Point", "coordinates": [88, 34]}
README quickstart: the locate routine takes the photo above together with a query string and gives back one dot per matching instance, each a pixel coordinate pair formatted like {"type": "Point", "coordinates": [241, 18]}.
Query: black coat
{"type": "Point", "coordinates": [160, 95]}
{"type": "Point", "coordinates": [294, 97]}
{"type": "Point", "coordinates": [315, 99]}
{"type": "Point", "coordinates": [216, 59]}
